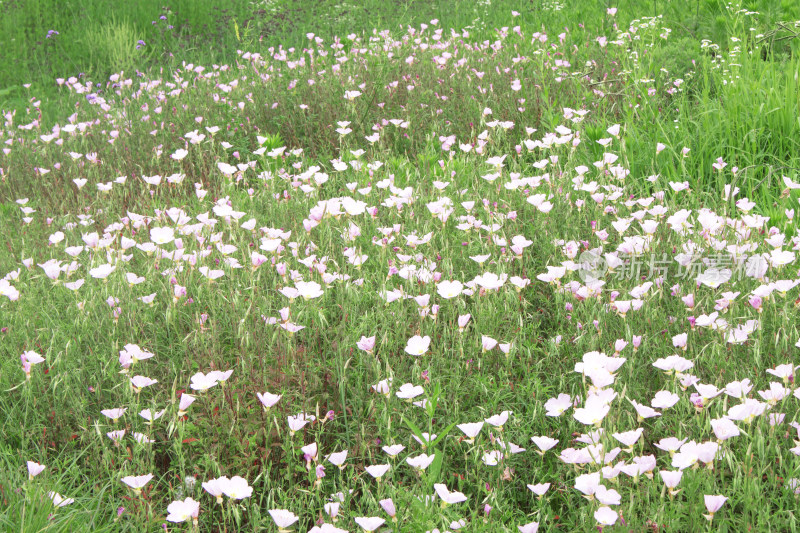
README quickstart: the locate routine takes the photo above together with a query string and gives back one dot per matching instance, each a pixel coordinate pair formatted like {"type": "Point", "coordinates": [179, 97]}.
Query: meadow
{"type": "Point", "coordinates": [484, 266]}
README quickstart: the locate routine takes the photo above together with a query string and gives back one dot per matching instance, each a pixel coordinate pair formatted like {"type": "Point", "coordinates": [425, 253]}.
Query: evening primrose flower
{"type": "Point", "coordinates": [785, 372]}
{"type": "Point", "coordinates": [498, 420]}
{"type": "Point", "coordinates": [283, 518]}
{"type": "Point", "coordinates": [298, 422]}
{"type": "Point", "coordinates": [669, 444]}
{"type": "Point", "coordinates": [449, 289]}
{"type": "Point", "coordinates": [539, 489]}
{"type": "Point", "coordinates": [393, 450]}
{"type": "Point", "coordinates": [644, 411]}
{"type": "Point", "coordinates": [202, 382]}
{"type": "Point", "coordinates": [132, 354]}
{"type": "Point", "coordinates": [58, 500]}
{"type": "Point", "coordinates": [102, 271]}
{"type": "Point", "coordinates": [664, 399]}
{"type": "Point", "coordinates": [426, 439]}
{"type": "Point", "coordinates": [30, 358]}
{"type": "Point", "coordinates": [383, 387]}
{"type": "Point", "coordinates": [141, 438]}
{"type": "Point", "coordinates": [34, 469]}
{"type": "Point", "coordinates": [605, 516]}
{"type": "Point", "coordinates": [137, 483]}
{"type": "Point", "coordinates": [492, 457]}
{"type": "Point", "coordinates": [544, 443]}
{"type": "Point", "coordinates": [162, 236]}
{"type": "Point", "coordinates": [184, 403]}
{"type": "Point", "coordinates": [236, 488]}
{"type": "Point", "coordinates": [183, 510]}
{"type": "Point", "coordinates": [214, 487]}
{"type": "Point", "coordinates": [140, 382]}
{"type": "Point", "coordinates": [724, 429]}
{"type": "Point", "coordinates": [114, 414]}
{"type": "Point", "coordinates": [332, 508]}
{"type": "Point", "coordinates": [388, 506]}
{"type": "Point", "coordinates": [310, 453]}
{"type": "Point", "coordinates": [366, 344]}
{"type": "Point", "coordinates": [377, 471]}
{"type": "Point", "coordinates": [587, 484]}
{"type": "Point", "coordinates": [326, 528]}
{"type": "Point", "coordinates": [407, 391]}
{"type": "Point", "coordinates": [471, 430]}
{"type": "Point", "coordinates": [448, 498]}
{"type": "Point", "coordinates": [713, 504]}
{"type": "Point", "coordinates": [151, 416]}
{"type": "Point", "coordinates": [487, 343]}
{"type": "Point", "coordinates": [593, 412]}
{"type": "Point", "coordinates": [556, 406]}
{"type": "Point", "coordinates": [674, 364]}
{"type": "Point", "coordinates": [116, 435]}
{"type": "Point", "coordinates": [671, 478]}
{"type": "Point", "coordinates": [369, 523]}
{"type": "Point", "coordinates": [417, 345]}
{"type": "Point", "coordinates": [421, 461]}
{"type": "Point", "coordinates": [338, 459]}
{"type": "Point", "coordinates": [268, 400]}
{"type": "Point", "coordinates": [309, 289]}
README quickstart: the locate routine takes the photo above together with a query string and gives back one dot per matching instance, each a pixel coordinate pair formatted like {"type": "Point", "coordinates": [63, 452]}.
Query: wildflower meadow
{"type": "Point", "coordinates": [490, 266]}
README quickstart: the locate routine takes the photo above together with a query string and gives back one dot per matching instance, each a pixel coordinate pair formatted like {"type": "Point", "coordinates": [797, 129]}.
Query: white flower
{"type": "Point", "coordinates": [417, 345]}
{"type": "Point", "coordinates": [309, 289]}
{"type": "Point", "coordinates": [237, 488]}
{"type": "Point", "coordinates": [369, 523]}
{"type": "Point", "coordinates": [162, 235]}
{"type": "Point", "coordinates": [447, 496]}
{"type": "Point", "coordinates": [181, 511]}
{"type": "Point", "coordinates": [377, 471]}
{"type": "Point", "coordinates": [137, 482]}
{"type": "Point", "coordinates": [449, 289]}
{"type": "Point", "coordinates": [59, 500]}
{"type": "Point", "coordinates": [283, 518]}
{"type": "Point", "coordinates": [102, 272]}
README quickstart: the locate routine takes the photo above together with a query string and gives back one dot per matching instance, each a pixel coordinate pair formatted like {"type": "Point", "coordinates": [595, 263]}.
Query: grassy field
{"type": "Point", "coordinates": [371, 266]}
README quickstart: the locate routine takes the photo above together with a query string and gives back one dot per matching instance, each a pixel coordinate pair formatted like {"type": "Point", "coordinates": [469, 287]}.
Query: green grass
{"type": "Point", "coordinates": [246, 71]}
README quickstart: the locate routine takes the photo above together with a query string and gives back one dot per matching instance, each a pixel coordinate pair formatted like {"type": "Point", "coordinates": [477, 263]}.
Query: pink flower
{"type": "Point", "coordinates": [186, 400]}
{"type": "Point", "coordinates": [417, 345]}
{"type": "Point", "coordinates": [236, 488]}
{"type": "Point", "coordinates": [137, 483]}
{"type": "Point", "coordinates": [671, 478]}
{"type": "Point", "coordinates": [487, 343]}
{"type": "Point", "coordinates": [388, 506]}
{"type": "Point", "coordinates": [447, 496]}
{"type": "Point", "coordinates": [34, 469]}
{"type": "Point", "coordinates": [181, 511]}
{"type": "Point", "coordinates": [369, 523]}
{"type": "Point", "coordinates": [267, 399]}
{"type": "Point", "coordinates": [283, 518]}
{"type": "Point", "coordinates": [713, 504]}
{"type": "Point", "coordinates": [606, 516]}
